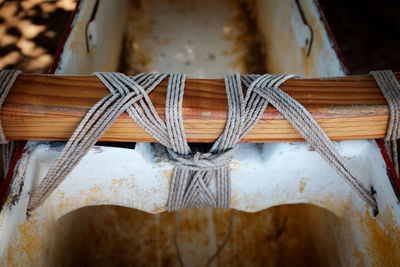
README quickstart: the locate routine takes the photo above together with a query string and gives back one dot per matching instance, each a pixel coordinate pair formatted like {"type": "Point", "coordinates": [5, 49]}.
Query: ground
{"type": "Point", "coordinates": [30, 31]}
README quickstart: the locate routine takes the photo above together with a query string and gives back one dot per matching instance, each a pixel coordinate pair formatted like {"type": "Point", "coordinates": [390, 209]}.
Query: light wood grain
{"type": "Point", "coordinates": [49, 107]}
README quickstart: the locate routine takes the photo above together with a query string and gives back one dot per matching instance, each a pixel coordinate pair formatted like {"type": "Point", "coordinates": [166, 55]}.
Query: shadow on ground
{"type": "Point", "coordinates": [30, 31]}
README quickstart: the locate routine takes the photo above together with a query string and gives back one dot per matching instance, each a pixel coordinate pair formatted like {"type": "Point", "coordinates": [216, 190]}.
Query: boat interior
{"type": "Point", "coordinates": [204, 39]}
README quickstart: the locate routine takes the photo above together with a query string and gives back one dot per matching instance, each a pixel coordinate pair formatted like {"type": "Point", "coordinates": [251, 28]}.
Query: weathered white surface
{"type": "Point", "coordinates": [263, 175]}
{"type": "Point", "coordinates": [284, 54]}
{"type": "Point", "coordinates": [105, 47]}
{"type": "Point", "coordinates": [301, 29]}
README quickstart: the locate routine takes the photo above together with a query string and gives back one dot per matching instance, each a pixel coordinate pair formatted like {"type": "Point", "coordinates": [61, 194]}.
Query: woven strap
{"type": "Point", "coordinates": [193, 171]}
{"type": "Point", "coordinates": [124, 95]}
{"type": "Point", "coordinates": [267, 86]}
{"type": "Point", "coordinates": [390, 88]}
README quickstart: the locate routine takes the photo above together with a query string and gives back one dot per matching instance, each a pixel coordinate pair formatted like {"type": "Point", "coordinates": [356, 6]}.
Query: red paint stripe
{"type": "Point", "coordinates": [64, 38]}
{"type": "Point", "coordinates": [394, 179]}
{"type": "Point", "coordinates": [10, 174]}
{"type": "Point", "coordinates": [332, 38]}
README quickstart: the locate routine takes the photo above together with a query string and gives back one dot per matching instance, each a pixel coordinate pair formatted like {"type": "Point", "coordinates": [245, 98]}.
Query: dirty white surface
{"type": "Point", "coordinates": [203, 38]}
{"type": "Point", "coordinates": [281, 40]}
{"type": "Point", "coordinates": [104, 52]}
{"type": "Point", "coordinates": [263, 175]}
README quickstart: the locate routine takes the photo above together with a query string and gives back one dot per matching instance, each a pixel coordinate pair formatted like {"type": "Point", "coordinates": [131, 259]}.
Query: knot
{"type": "Point", "coordinates": [203, 161]}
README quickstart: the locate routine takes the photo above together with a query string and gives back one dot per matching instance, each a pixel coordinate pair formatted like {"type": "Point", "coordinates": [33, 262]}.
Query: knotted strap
{"type": "Point", "coordinates": [193, 172]}
{"type": "Point", "coordinates": [390, 89]}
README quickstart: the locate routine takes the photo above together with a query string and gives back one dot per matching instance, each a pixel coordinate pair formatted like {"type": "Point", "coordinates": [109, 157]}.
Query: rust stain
{"type": "Point", "coordinates": [302, 184]}
{"type": "Point", "coordinates": [358, 255]}
{"type": "Point", "coordinates": [164, 41]}
{"type": "Point", "coordinates": [159, 209]}
{"type": "Point", "coordinates": [249, 43]}
{"type": "Point", "coordinates": [111, 235]}
{"type": "Point", "coordinates": [235, 164]}
{"type": "Point", "coordinates": [78, 32]}
{"type": "Point", "coordinates": [234, 198]}
{"type": "Point", "coordinates": [95, 189]}
{"type": "Point", "coordinates": [168, 173]}
{"type": "Point", "coordinates": [118, 184]}
{"type": "Point", "coordinates": [5, 210]}
{"type": "Point", "coordinates": [160, 157]}
{"type": "Point", "coordinates": [64, 204]}
{"type": "Point", "coordinates": [333, 203]}
{"type": "Point", "coordinates": [383, 238]}
{"type": "Point", "coordinates": [72, 45]}
{"type": "Point", "coordinates": [136, 56]}
{"type": "Point", "coordinates": [28, 245]}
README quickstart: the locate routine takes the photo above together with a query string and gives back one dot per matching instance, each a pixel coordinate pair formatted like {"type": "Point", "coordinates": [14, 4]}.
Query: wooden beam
{"type": "Point", "coordinates": [50, 107]}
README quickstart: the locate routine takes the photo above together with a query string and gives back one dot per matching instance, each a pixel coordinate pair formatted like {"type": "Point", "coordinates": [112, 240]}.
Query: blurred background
{"type": "Point", "coordinates": [30, 31]}
{"type": "Point", "coordinates": [367, 32]}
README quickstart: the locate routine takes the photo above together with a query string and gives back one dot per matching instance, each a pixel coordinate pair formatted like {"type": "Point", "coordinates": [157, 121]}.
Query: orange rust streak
{"type": "Point", "coordinates": [383, 239]}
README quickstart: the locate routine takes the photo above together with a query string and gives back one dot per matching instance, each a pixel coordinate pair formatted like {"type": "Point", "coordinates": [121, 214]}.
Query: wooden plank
{"type": "Point", "coordinates": [50, 107]}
